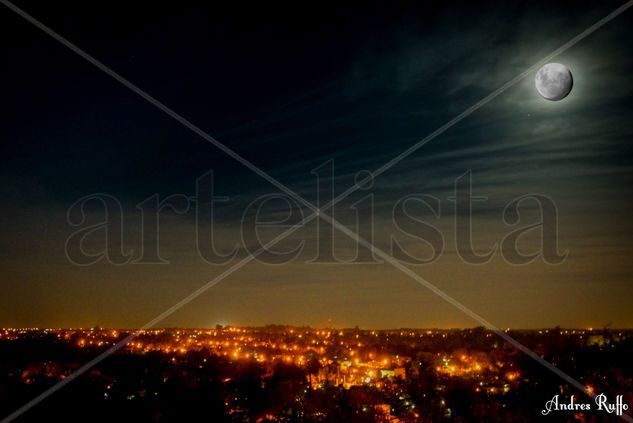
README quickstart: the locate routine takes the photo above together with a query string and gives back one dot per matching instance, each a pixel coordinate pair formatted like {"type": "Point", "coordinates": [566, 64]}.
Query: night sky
{"type": "Point", "coordinates": [289, 88]}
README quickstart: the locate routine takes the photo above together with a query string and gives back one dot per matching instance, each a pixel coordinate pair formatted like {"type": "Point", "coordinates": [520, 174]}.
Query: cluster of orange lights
{"type": "Point", "coordinates": [288, 347]}
{"type": "Point", "coordinates": [463, 366]}
{"type": "Point", "coordinates": [335, 357]}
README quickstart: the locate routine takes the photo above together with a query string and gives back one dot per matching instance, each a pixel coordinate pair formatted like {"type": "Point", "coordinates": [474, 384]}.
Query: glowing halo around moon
{"type": "Point", "coordinates": [554, 81]}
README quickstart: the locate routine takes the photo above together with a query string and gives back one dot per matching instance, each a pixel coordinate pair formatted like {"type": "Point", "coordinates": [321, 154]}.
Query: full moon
{"type": "Point", "coordinates": [554, 81]}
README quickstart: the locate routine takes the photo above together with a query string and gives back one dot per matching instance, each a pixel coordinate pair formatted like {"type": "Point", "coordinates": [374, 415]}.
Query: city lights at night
{"type": "Point", "coordinates": [316, 212]}
{"type": "Point", "coordinates": [381, 371]}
